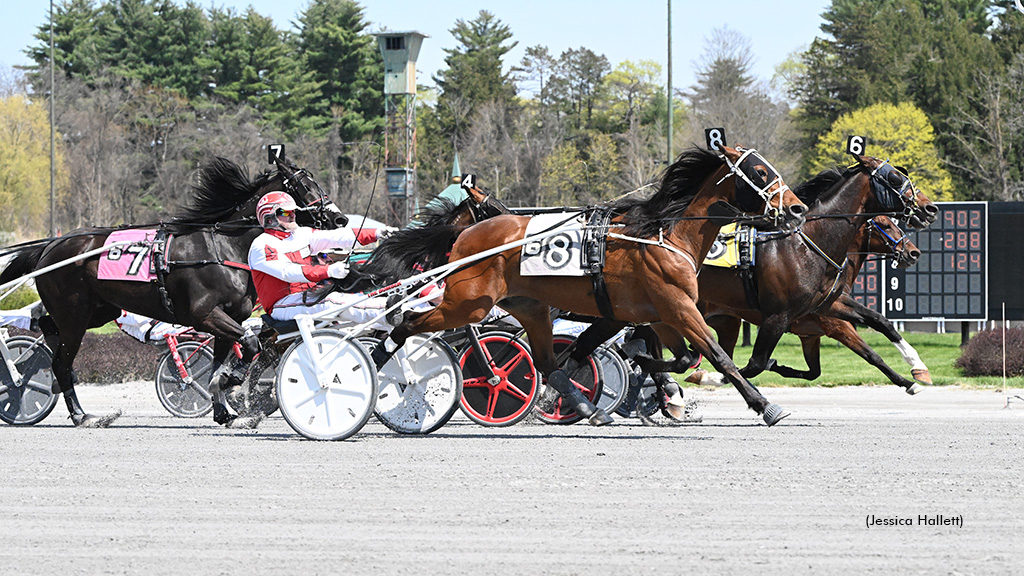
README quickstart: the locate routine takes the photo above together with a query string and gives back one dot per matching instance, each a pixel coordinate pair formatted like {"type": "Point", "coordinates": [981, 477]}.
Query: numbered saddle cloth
{"type": "Point", "coordinates": [733, 248]}
{"type": "Point", "coordinates": [131, 262]}
{"type": "Point", "coordinates": [560, 254]}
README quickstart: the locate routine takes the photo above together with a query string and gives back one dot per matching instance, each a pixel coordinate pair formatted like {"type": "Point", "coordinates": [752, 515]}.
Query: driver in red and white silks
{"type": "Point", "coordinates": [283, 264]}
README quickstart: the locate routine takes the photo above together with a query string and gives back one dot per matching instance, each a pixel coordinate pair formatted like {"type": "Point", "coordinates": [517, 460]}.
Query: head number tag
{"type": "Point", "coordinates": [715, 138]}
{"type": "Point", "coordinates": [275, 152]}
{"type": "Point", "coordinates": [468, 181]}
{"type": "Point", "coordinates": [855, 145]}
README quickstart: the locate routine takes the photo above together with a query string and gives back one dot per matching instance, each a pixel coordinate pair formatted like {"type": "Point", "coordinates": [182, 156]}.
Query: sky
{"type": "Point", "coordinates": [621, 30]}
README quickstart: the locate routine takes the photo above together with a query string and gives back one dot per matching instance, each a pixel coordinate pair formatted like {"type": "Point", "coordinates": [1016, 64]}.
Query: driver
{"type": "Point", "coordinates": [284, 263]}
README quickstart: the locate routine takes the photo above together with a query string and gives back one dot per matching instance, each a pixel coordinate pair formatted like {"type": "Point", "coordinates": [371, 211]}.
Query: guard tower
{"type": "Point", "coordinates": [400, 50]}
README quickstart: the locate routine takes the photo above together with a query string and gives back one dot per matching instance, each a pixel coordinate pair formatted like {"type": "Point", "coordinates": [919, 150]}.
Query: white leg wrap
{"type": "Point", "coordinates": [910, 355]}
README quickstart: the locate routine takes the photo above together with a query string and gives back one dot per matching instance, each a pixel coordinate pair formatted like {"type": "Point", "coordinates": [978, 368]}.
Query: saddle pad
{"type": "Point", "coordinates": [128, 262]}
{"type": "Point", "coordinates": [560, 254]}
{"type": "Point", "coordinates": [725, 252]}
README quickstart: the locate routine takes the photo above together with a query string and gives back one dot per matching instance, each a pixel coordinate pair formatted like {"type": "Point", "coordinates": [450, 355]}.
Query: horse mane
{"type": "Point", "coordinates": [222, 188]}
{"type": "Point", "coordinates": [679, 186]}
{"type": "Point", "coordinates": [438, 211]}
{"type": "Point", "coordinates": [823, 185]}
{"type": "Point", "coordinates": [407, 252]}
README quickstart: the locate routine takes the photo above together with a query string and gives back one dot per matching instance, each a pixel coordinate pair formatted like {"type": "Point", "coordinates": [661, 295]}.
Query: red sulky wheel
{"type": "Point", "coordinates": [511, 394]}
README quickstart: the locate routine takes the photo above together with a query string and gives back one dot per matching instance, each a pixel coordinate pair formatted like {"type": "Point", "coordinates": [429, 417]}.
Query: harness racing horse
{"type": "Point", "coordinates": [804, 275]}
{"type": "Point", "coordinates": [879, 236]}
{"type": "Point", "coordinates": [205, 284]}
{"type": "Point", "coordinates": [650, 268]}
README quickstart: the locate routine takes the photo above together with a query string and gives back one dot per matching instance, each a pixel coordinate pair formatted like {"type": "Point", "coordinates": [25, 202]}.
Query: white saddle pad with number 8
{"type": "Point", "coordinates": [560, 254]}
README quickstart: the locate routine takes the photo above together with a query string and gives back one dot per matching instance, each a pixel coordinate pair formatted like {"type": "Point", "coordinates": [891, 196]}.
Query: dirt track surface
{"type": "Point", "coordinates": [159, 495]}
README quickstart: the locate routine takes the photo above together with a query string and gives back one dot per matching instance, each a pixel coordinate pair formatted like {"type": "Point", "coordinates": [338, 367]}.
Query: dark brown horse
{"type": "Point", "coordinates": [879, 236]}
{"type": "Point", "coordinates": [206, 283]}
{"type": "Point", "coordinates": [653, 253]}
{"type": "Point", "coordinates": [803, 277]}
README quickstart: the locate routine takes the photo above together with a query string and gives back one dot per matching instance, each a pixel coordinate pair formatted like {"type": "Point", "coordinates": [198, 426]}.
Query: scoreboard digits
{"type": "Point", "coordinates": [950, 281]}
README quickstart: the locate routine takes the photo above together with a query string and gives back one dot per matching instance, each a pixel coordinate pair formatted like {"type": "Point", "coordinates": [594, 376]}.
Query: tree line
{"type": "Point", "coordinates": [149, 89]}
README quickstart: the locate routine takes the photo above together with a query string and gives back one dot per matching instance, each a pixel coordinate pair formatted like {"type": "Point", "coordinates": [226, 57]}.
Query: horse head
{"type": "Point", "coordinates": [885, 237]}
{"type": "Point", "coordinates": [308, 194]}
{"type": "Point", "coordinates": [759, 187]}
{"type": "Point", "coordinates": [896, 193]}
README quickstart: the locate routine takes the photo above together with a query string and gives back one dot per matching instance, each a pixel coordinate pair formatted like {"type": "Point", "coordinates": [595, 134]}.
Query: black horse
{"type": "Point", "coordinates": [202, 279]}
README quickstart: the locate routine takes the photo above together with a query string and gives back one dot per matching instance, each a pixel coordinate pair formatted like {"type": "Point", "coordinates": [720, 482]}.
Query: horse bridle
{"type": "Point", "coordinates": [319, 207]}
{"type": "Point", "coordinates": [888, 194]}
{"type": "Point", "coordinates": [747, 157]}
{"type": "Point", "coordinates": [489, 207]}
{"type": "Point", "coordinates": [898, 247]}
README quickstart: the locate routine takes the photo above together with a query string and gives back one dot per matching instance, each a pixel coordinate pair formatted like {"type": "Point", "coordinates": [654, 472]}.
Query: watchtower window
{"type": "Point", "coordinates": [394, 43]}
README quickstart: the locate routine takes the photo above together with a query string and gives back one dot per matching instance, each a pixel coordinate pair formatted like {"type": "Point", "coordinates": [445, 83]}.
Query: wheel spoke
{"type": "Point", "coordinates": [514, 390]}
{"type": "Point", "coordinates": [512, 363]}
{"type": "Point", "coordinates": [492, 404]}
{"type": "Point", "coordinates": [479, 382]}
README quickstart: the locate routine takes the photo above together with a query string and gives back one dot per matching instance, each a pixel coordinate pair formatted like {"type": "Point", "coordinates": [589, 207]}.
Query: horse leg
{"type": "Point", "coordinates": [847, 308]}
{"type": "Point", "coordinates": [811, 346]}
{"type": "Point", "coordinates": [687, 321]}
{"type": "Point", "coordinates": [228, 371]}
{"type": "Point", "coordinates": [845, 333]}
{"type": "Point", "coordinates": [768, 336]}
{"type": "Point", "coordinates": [536, 320]}
{"type": "Point", "coordinates": [65, 342]}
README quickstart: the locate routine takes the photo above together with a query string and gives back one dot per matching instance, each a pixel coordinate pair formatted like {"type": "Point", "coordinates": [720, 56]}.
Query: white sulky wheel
{"type": "Point", "coordinates": [335, 404]}
{"type": "Point", "coordinates": [180, 398]}
{"type": "Point", "coordinates": [420, 386]}
{"type": "Point", "coordinates": [616, 378]}
{"type": "Point", "coordinates": [31, 399]}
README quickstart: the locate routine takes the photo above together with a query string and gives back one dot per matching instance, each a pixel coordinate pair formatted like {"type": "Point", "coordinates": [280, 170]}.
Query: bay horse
{"type": "Point", "coordinates": [650, 268]}
{"type": "Point", "coordinates": [206, 284]}
{"type": "Point", "coordinates": [802, 279]}
{"type": "Point", "coordinates": [879, 236]}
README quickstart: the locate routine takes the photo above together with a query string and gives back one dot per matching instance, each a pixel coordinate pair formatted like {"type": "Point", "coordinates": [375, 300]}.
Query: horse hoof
{"type": "Point", "coordinates": [922, 375]}
{"type": "Point", "coordinates": [235, 398]}
{"type": "Point", "coordinates": [245, 422]}
{"type": "Point", "coordinates": [773, 413]}
{"type": "Point", "coordinates": [915, 388]}
{"type": "Point", "coordinates": [696, 377]}
{"type": "Point", "coordinates": [547, 400]}
{"type": "Point", "coordinates": [600, 418]}
{"type": "Point", "coordinates": [685, 414]}
{"type": "Point", "coordinates": [90, 421]}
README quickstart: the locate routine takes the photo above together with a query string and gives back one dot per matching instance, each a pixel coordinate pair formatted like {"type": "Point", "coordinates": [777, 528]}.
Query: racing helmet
{"type": "Point", "coordinates": [269, 204]}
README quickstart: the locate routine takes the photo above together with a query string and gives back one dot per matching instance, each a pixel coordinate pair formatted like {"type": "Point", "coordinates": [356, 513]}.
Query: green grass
{"type": "Point", "coordinates": [840, 366]}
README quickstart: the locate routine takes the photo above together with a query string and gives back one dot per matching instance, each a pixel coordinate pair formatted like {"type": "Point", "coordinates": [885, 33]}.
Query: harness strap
{"type": "Point", "coordinates": [160, 267]}
{"type": "Point", "coordinates": [595, 245]}
{"type": "Point", "coordinates": [660, 242]}
{"type": "Point", "coordinates": [840, 268]}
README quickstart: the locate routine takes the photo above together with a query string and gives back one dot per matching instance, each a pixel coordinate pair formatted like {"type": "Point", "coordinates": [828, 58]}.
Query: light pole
{"type": "Point", "coordinates": [669, 147]}
{"type": "Point", "coordinates": [53, 93]}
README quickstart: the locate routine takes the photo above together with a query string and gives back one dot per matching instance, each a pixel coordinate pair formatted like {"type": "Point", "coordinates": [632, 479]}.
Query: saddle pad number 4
{"type": "Point", "coordinates": [130, 262]}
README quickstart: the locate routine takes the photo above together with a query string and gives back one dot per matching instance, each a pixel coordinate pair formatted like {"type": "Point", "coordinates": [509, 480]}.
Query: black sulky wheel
{"type": "Point", "coordinates": [26, 395]}
{"type": "Point", "coordinates": [508, 396]}
{"type": "Point", "coordinates": [615, 383]}
{"type": "Point", "coordinates": [587, 378]}
{"type": "Point", "coordinates": [186, 396]}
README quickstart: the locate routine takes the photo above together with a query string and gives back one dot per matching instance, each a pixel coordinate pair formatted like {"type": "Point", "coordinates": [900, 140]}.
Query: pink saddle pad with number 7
{"type": "Point", "coordinates": [131, 262]}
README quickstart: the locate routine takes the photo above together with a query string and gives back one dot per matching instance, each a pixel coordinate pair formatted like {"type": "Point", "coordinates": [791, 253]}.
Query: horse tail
{"type": "Point", "coordinates": [23, 262]}
{"type": "Point", "coordinates": [410, 251]}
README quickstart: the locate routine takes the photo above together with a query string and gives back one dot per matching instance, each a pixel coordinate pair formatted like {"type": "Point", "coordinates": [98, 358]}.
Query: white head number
{"type": "Point", "coordinates": [715, 138]}
{"type": "Point", "coordinates": [855, 145]}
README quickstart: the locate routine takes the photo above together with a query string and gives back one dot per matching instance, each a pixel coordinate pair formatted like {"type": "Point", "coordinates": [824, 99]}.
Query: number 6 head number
{"type": "Point", "coordinates": [855, 145]}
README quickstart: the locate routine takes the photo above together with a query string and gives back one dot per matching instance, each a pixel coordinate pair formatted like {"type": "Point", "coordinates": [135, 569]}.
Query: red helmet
{"type": "Point", "coordinates": [268, 206]}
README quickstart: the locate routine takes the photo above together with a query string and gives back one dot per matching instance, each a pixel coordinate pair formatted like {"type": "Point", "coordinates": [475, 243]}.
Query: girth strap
{"type": "Point", "coordinates": [161, 245]}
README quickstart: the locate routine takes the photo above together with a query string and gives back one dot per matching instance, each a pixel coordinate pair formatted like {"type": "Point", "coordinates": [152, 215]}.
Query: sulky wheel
{"type": "Point", "coordinates": [187, 397]}
{"type": "Point", "coordinates": [508, 396]}
{"type": "Point", "coordinates": [26, 395]}
{"type": "Point", "coordinates": [419, 387]}
{"type": "Point", "coordinates": [615, 381]}
{"type": "Point", "coordinates": [334, 403]}
{"type": "Point", "coordinates": [587, 378]}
